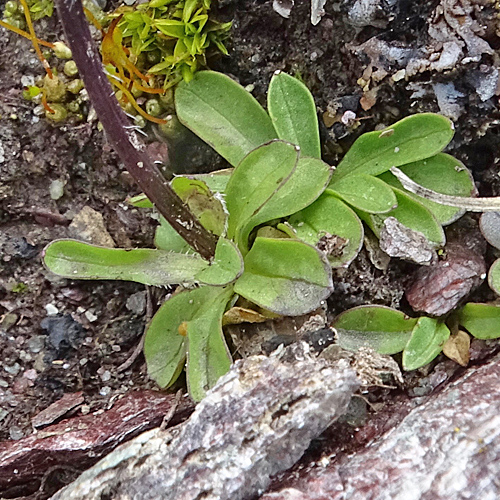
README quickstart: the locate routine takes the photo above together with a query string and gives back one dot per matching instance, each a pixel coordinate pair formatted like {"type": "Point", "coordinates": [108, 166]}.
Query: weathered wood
{"type": "Point", "coordinates": [258, 420]}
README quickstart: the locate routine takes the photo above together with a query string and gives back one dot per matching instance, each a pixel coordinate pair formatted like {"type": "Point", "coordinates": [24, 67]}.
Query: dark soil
{"type": "Point", "coordinates": [58, 336]}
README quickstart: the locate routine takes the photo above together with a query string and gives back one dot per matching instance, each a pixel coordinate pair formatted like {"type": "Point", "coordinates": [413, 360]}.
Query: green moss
{"type": "Point", "coordinates": [176, 37]}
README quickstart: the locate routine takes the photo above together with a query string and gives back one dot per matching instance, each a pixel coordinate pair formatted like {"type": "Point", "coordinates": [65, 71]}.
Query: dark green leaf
{"type": "Point", "coordinates": [293, 112]}
{"type": "Point", "coordinates": [223, 114]}
{"type": "Point", "coordinates": [412, 214]}
{"type": "Point", "coordinates": [255, 181]}
{"type": "Point", "coordinates": [385, 330]}
{"type": "Point", "coordinates": [426, 342]}
{"type": "Point", "coordinates": [305, 183]}
{"type": "Point", "coordinates": [411, 139]}
{"type": "Point", "coordinates": [285, 276]}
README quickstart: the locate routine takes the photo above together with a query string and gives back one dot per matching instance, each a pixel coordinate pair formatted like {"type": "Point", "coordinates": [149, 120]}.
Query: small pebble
{"type": "Point", "coordinates": [13, 369]}
{"type": "Point", "coordinates": [36, 343]}
{"type": "Point", "coordinates": [56, 189]}
{"type": "Point", "coordinates": [15, 433]}
{"type": "Point", "coordinates": [51, 309]}
{"type": "Point", "coordinates": [105, 390]}
{"type": "Point", "coordinates": [90, 316]}
{"type": "Point", "coordinates": [137, 303]}
{"type": "Point", "coordinates": [30, 374]}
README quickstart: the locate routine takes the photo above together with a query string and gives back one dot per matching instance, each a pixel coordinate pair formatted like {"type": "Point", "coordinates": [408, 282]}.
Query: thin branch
{"type": "Point", "coordinates": [125, 141]}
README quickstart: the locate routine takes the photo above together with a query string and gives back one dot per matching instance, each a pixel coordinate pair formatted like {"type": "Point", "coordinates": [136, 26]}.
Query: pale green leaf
{"type": "Point", "coordinates": [216, 181]}
{"type": "Point", "coordinates": [481, 320]}
{"type": "Point", "coordinates": [140, 201]}
{"type": "Point", "coordinates": [226, 267]}
{"type": "Point", "coordinates": [201, 202]}
{"type": "Point", "coordinates": [365, 192]}
{"type": "Point", "coordinates": [441, 173]}
{"type": "Point", "coordinates": [426, 342]}
{"type": "Point", "coordinates": [285, 276]}
{"type": "Point", "coordinates": [381, 328]}
{"type": "Point", "coordinates": [165, 340]}
{"type": "Point", "coordinates": [168, 239]}
{"type": "Point", "coordinates": [293, 112]}
{"type": "Point", "coordinates": [208, 356]}
{"type": "Point", "coordinates": [329, 216]}
{"type": "Point", "coordinates": [223, 114]}
{"type": "Point", "coordinates": [77, 260]}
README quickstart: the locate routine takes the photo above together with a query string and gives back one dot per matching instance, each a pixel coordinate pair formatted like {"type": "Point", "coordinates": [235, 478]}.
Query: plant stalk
{"type": "Point", "coordinates": [121, 134]}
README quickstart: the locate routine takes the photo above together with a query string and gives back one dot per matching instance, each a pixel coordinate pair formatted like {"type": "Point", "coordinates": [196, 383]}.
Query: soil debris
{"type": "Point", "coordinates": [88, 225]}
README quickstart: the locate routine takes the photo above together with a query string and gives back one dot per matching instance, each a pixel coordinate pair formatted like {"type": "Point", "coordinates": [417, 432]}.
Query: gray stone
{"type": "Point", "coordinates": [446, 449]}
{"type": "Point", "coordinates": [257, 421]}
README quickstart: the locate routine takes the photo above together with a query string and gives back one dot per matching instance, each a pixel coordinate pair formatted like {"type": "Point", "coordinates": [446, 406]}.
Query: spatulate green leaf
{"type": "Point", "coordinates": [385, 330]}
{"type": "Point", "coordinates": [255, 181]}
{"type": "Point", "coordinates": [441, 173]}
{"type": "Point", "coordinates": [411, 139]}
{"type": "Point", "coordinates": [426, 342]}
{"type": "Point", "coordinates": [412, 214]}
{"type": "Point", "coordinates": [223, 114]}
{"type": "Point", "coordinates": [208, 356]}
{"type": "Point", "coordinates": [365, 192]}
{"type": "Point", "coordinates": [329, 216]}
{"type": "Point", "coordinates": [226, 267]}
{"type": "Point", "coordinates": [285, 276]}
{"type": "Point", "coordinates": [305, 184]}
{"type": "Point", "coordinates": [293, 113]}
{"type": "Point", "coordinates": [481, 320]}
{"type": "Point", "coordinates": [77, 260]}
{"type": "Point", "coordinates": [165, 341]}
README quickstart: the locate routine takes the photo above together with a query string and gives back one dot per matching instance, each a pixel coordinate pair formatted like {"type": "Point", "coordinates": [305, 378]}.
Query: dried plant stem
{"type": "Point", "coordinates": [491, 204]}
{"type": "Point", "coordinates": [122, 136]}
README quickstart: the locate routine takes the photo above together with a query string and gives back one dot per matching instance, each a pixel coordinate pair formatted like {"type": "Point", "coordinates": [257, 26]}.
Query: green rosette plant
{"type": "Point", "coordinates": [271, 213]}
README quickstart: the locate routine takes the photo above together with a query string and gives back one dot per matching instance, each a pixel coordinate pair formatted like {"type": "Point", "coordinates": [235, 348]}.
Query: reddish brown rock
{"type": "Point", "coordinates": [78, 443]}
{"type": "Point", "coordinates": [440, 287]}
